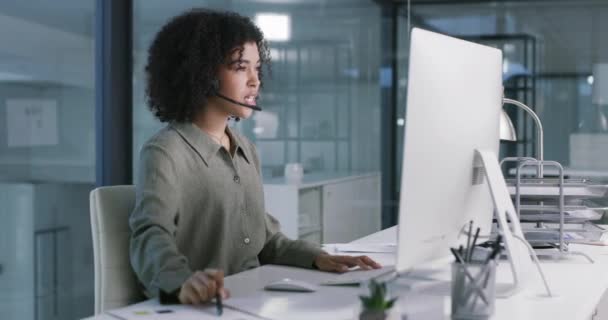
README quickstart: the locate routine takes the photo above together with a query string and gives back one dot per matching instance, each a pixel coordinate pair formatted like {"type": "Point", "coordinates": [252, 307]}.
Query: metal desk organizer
{"type": "Point", "coordinates": [553, 209]}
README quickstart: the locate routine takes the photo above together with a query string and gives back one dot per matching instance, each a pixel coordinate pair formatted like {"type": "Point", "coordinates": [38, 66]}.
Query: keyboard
{"type": "Point", "coordinates": [356, 276]}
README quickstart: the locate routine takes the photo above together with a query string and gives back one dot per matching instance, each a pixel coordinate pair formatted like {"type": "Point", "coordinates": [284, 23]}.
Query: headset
{"type": "Point", "coordinates": [215, 88]}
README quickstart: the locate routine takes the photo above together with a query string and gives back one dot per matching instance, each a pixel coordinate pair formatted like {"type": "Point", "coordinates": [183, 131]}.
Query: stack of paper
{"type": "Point", "coordinates": [151, 310]}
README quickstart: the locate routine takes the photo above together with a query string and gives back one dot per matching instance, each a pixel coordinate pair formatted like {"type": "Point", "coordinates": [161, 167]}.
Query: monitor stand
{"type": "Point", "coordinates": [519, 253]}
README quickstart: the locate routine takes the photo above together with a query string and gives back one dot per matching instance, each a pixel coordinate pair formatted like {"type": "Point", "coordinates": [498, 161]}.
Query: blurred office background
{"type": "Point", "coordinates": [336, 104]}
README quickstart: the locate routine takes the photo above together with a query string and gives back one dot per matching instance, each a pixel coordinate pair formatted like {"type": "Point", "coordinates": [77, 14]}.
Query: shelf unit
{"type": "Point", "coordinates": [544, 202]}
{"type": "Point", "coordinates": [326, 208]}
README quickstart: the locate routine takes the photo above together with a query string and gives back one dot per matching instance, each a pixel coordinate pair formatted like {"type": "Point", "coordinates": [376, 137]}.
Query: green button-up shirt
{"type": "Point", "coordinates": [198, 207]}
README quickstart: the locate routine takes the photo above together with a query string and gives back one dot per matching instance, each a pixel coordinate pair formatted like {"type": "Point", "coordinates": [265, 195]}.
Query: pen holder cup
{"type": "Point", "coordinates": [473, 290]}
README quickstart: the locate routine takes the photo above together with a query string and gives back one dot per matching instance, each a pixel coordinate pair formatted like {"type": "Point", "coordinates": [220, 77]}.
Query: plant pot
{"type": "Point", "coordinates": [373, 315]}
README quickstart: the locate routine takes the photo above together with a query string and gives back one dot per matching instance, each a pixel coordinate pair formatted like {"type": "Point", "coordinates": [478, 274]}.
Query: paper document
{"type": "Point", "coordinates": [593, 238]}
{"type": "Point", "coordinates": [362, 247]}
{"type": "Point", "coordinates": [147, 311]}
{"type": "Point", "coordinates": [31, 122]}
{"type": "Point", "coordinates": [596, 237]}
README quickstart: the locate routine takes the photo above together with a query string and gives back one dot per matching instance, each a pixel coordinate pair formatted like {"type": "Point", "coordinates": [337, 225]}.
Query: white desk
{"type": "Point", "coordinates": [577, 284]}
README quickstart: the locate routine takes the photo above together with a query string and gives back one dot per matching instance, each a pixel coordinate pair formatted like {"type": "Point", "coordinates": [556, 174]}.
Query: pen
{"type": "Point", "coordinates": [468, 248]}
{"type": "Point", "coordinates": [495, 251]}
{"type": "Point", "coordinates": [218, 304]}
{"type": "Point", "coordinates": [456, 255]}
{"type": "Point", "coordinates": [474, 243]}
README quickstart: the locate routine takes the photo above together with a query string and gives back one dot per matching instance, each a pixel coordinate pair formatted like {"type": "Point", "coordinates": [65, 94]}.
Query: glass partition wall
{"type": "Point", "coordinates": [558, 68]}
{"type": "Point", "coordinates": [47, 159]}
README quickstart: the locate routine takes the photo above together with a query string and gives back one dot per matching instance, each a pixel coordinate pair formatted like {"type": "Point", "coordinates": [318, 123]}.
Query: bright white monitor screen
{"type": "Point", "coordinates": [453, 108]}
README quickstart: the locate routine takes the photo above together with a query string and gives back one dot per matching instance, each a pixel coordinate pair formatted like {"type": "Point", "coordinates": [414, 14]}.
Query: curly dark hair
{"type": "Point", "coordinates": [185, 57]}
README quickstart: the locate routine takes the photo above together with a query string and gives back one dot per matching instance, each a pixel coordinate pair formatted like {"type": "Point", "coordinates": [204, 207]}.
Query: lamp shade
{"type": "Point", "coordinates": [600, 84]}
{"type": "Point", "coordinates": [507, 130]}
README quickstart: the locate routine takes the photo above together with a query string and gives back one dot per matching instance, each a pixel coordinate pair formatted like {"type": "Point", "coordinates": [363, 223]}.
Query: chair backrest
{"type": "Point", "coordinates": [115, 282]}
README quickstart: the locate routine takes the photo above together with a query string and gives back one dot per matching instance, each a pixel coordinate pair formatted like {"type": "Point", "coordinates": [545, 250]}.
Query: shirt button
{"type": "Point", "coordinates": [247, 240]}
{"type": "Point", "coordinates": [237, 179]}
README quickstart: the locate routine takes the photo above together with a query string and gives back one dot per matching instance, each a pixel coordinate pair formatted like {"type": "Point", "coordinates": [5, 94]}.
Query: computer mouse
{"type": "Point", "coordinates": [287, 284]}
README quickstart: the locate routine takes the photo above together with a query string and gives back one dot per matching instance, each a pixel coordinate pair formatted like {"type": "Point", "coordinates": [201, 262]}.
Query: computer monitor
{"type": "Point", "coordinates": [454, 102]}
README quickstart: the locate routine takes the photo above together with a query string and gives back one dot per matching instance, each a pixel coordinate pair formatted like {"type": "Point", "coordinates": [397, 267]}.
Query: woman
{"type": "Point", "coordinates": [199, 201]}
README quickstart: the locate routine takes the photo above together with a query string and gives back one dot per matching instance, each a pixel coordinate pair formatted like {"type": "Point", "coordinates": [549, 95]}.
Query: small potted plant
{"type": "Point", "coordinates": [376, 305]}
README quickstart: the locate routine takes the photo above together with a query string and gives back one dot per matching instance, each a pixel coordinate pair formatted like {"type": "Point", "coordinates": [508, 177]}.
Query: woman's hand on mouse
{"type": "Point", "coordinates": [327, 262]}
{"type": "Point", "coordinates": [202, 286]}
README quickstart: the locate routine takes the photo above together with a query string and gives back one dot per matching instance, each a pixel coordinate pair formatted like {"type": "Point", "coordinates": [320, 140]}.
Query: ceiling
{"type": "Point", "coordinates": [60, 40]}
{"type": "Point", "coordinates": [570, 34]}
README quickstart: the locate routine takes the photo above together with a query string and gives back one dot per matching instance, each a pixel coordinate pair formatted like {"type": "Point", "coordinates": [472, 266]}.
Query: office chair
{"type": "Point", "coordinates": [115, 282]}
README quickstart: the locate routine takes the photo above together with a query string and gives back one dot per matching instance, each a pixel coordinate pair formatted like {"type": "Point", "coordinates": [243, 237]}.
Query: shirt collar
{"type": "Point", "coordinates": [239, 143]}
{"type": "Point", "coordinates": [203, 144]}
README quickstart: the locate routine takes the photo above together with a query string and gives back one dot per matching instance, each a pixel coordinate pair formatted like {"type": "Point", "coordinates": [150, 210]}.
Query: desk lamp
{"type": "Point", "coordinates": [507, 131]}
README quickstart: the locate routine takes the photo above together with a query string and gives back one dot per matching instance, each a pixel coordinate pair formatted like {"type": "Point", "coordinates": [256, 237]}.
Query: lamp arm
{"type": "Point", "coordinates": [539, 130]}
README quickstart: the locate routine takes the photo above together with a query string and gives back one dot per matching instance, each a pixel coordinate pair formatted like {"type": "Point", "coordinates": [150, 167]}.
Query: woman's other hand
{"type": "Point", "coordinates": [327, 262]}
